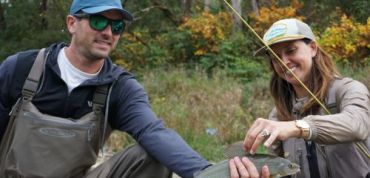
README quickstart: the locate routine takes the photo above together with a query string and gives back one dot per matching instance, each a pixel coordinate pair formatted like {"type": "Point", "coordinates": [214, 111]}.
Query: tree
{"type": "Point", "coordinates": [166, 11]}
{"type": "Point", "coordinates": [186, 7]}
{"type": "Point", "coordinates": [236, 19]}
{"type": "Point", "coordinates": [206, 5]}
{"type": "Point", "coordinates": [2, 20]}
{"type": "Point", "coordinates": [255, 7]}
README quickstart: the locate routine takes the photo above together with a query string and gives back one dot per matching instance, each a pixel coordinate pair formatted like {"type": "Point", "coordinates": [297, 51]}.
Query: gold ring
{"type": "Point", "coordinates": [265, 133]}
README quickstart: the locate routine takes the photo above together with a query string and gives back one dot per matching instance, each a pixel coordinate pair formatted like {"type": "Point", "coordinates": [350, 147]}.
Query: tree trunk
{"type": "Point", "coordinates": [186, 7]}
{"type": "Point", "coordinates": [166, 11]}
{"type": "Point", "coordinates": [43, 10]}
{"type": "Point", "coordinates": [255, 7]}
{"type": "Point", "coordinates": [2, 19]}
{"type": "Point", "coordinates": [308, 9]}
{"type": "Point", "coordinates": [206, 5]}
{"type": "Point", "coordinates": [237, 22]}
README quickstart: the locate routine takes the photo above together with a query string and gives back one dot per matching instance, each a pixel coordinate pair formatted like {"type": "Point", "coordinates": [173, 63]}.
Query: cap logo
{"type": "Point", "coordinates": [275, 31]}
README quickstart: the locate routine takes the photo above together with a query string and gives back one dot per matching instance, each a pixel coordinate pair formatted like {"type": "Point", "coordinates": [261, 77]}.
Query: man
{"type": "Point", "coordinates": [71, 74]}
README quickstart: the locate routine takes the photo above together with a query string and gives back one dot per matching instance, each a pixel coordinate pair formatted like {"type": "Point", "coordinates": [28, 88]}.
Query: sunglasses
{"type": "Point", "coordinates": [99, 23]}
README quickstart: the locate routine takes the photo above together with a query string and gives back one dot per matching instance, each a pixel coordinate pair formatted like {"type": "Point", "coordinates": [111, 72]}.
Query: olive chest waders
{"type": "Point", "coordinates": [40, 145]}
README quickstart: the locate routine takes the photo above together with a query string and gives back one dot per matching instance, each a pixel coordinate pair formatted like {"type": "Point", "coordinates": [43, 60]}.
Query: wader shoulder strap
{"type": "Point", "coordinates": [33, 78]}
{"type": "Point", "coordinates": [99, 98]}
{"type": "Point", "coordinates": [331, 100]}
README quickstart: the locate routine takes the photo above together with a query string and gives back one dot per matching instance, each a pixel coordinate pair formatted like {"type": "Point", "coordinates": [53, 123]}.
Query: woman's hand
{"type": "Point", "coordinates": [244, 168]}
{"type": "Point", "coordinates": [267, 131]}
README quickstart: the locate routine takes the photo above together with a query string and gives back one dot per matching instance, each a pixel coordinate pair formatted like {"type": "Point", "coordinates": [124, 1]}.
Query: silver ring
{"type": "Point", "coordinates": [265, 133]}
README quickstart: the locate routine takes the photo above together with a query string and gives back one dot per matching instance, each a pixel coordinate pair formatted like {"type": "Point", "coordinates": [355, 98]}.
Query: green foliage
{"type": "Point", "coordinates": [180, 47]}
{"type": "Point", "coordinates": [237, 54]}
{"type": "Point", "coordinates": [355, 8]}
{"type": "Point", "coordinates": [164, 35]}
{"type": "Point", "coordinates": [32, 24]}
{"type": "Point", "coordinates": [236, 58]}
{"type": "Point", "coordinates": [201, 41]}
{"type": "Point", "coordinates": [323, 13]}
{"type": "Point", "coordinates": [139, 50]}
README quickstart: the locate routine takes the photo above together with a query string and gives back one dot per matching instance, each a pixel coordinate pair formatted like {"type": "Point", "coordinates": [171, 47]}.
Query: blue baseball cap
{"type": "Point", "coordinates": [98, 6]}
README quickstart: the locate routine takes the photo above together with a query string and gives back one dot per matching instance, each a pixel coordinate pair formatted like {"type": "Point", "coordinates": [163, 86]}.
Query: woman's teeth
{"type": "Point", "coordinates": [289, 72]}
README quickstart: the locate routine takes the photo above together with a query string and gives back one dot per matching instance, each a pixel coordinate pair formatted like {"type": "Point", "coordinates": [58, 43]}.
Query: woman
{"type": "Point", "coordinates": [324, 144]}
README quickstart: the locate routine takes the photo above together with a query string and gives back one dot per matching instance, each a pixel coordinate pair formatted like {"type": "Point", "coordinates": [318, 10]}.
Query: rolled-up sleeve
{"type": "Point", "coordinates": [352, 123]}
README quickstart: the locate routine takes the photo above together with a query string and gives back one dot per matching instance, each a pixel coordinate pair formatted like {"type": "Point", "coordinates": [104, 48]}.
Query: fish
{"type": "Point", "coordinates": [278, 166]}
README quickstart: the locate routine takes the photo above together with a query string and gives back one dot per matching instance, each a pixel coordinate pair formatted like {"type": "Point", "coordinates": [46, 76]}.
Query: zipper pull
{"type": "Point", "coordinates": [90, 132]}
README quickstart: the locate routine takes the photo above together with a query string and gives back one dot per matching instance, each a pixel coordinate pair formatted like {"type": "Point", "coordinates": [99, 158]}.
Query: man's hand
{"type": "Point", "coordinates": [244, 168]}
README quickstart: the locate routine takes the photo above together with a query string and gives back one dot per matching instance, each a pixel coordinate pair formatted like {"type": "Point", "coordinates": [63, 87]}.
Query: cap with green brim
{"type": "Point", "coordinates": [285, 30]}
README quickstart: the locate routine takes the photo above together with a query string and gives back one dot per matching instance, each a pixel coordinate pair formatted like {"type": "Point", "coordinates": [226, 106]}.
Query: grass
{"type": "Point", "coordinates": [209, 113]}
{"type": "Point", "coordinates": [358, 73]}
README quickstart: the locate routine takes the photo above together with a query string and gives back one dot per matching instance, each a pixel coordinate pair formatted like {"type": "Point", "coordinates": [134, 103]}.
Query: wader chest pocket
{"type": "Point", "coordinates": [43, 144]}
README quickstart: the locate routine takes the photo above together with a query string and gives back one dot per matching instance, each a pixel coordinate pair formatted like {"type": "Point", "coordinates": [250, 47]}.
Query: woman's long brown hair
{"type": "Point", "coordinates": [322, 73]}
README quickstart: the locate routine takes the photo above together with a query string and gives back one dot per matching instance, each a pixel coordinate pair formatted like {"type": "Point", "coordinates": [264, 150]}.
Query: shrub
{"type": "Point", "coordinates": [207, 31]}
{"type": "Point", "coordinates": [348, 41]}
{"type": "Point", "coordinates": [269, 15]}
